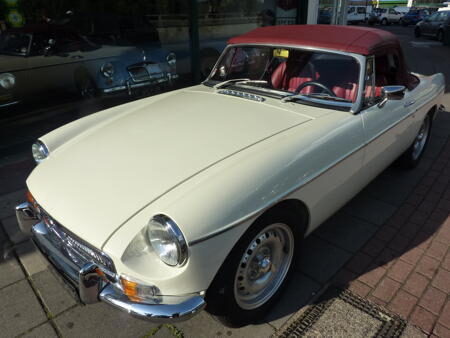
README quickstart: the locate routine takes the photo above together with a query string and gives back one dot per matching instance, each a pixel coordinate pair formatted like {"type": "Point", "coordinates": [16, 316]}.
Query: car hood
{"type": "Point", "coordinates": [100, 178]}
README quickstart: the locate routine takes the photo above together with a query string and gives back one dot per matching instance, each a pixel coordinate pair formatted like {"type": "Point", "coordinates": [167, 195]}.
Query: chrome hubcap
{"type": "Point", "coordinates": [421, 139]}
{"type": "Point", "coordinates": [264, 266]}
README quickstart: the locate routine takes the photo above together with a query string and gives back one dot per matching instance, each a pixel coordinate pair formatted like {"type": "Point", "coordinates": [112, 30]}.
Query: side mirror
{"type": "Point", "coordinates": [392, 93]}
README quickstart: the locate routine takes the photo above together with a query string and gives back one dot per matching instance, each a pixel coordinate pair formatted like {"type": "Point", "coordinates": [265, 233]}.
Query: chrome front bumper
{"type": "Point", "coordinates": [90, 283]}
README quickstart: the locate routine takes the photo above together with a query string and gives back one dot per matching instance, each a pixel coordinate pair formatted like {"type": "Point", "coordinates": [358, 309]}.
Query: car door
{"type": "Point", "coordinates": [430, 23]}
{"type": "Point", "coordinates": [389, 127]}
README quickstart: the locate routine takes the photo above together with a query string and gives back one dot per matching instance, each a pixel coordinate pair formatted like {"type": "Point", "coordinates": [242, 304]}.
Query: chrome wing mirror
{"type": "Point", "coordinates": [391, 93]}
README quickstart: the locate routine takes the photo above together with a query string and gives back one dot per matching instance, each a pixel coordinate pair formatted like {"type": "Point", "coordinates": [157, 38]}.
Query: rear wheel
{"type": "Point", "coordinates": [410, 159]}
{"type": "Point", "coordinates": [384, 22]}
{"type": "Point", "coordinates": [253, 276]}
{"type": "Point", "coordinates": [440, 36]}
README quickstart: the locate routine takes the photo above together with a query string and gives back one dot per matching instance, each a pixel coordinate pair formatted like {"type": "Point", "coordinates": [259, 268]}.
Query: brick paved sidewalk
{"type": "Point", "coordinates": [406, 265]}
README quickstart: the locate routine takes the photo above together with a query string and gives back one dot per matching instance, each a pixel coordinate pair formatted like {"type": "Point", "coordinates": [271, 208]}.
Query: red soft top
{"type": "Point", "coordinates": [359, 40]}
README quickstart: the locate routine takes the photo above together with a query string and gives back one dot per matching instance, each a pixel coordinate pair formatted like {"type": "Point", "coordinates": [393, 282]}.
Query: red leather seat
{"type": "Point", "coordinates": [347, 88]}
{"type": "Point", "coordinates": [288, 77]}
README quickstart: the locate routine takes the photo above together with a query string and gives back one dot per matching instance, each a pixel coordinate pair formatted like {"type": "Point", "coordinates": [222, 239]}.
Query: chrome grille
{"type": "Point", "coordinates": [76, 249]}
{"type": "Point", "coordinates": [139, 74]}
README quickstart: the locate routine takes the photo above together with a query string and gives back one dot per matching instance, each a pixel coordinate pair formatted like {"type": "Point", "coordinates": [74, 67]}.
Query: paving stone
{"type": "Point", "coordinates": [164, 332]}
{"type": "Point", "coordinates": [427, 266]}
{"type": "Point", "coordinates": [369, 209]}
{"type": "Point", "coordinates": [44, 330]}
{"type": "Point", "coordinates": [386, 233]}
{"type": "Point", "coordinates": [399, 243]}
{"type": "Point", "coordinates": [400, 271]}
{"type": "Point", "coordinates": [432, 300]}
{"type": "Point", "coordinates": [298, 293]}
{"type": "Point", "coordinates": [437, 250]}
{"type": "Point", "coordinates": [10, 271]}
{"type": "Point", "coordinates": [101, 320]}
{"type": "Point", "coordinates": [442, 281]}
{"type": "Point", "coordinates": [403, 303]}
{"type": "Point", "coordinates": [373, 247]}
{"type": "Point", "coordinates": [359, 288]}
{"type": "Point", "coordinates": [423, 319]}
{"type": "Point", "coordinates": [386, 258]}
{"type": "Point", "coordinates": [9, 201]}
{"type": "Point", "coordinates": [373, 275]}
{"type": "Point", "coordinates": [416, 284]}
{"type": "Point", "coordinates": [30, 257]}
{"type": "Point", "coordinates": [441, 331]}
{"type": "Point", "coordinates": [412, 332]}
{"type": "Point", "coordinates": [386, 289]}
{"type": "Point", "coordinates": [12, 229]}
{"type": "Point", "coordinates": [444, 318]}
{"type": "Point", "coordinates": [205, 326]}
{"type": "Point", "coordinates": [20, 310]}
{"type": "Point", "coordinates": [446, 262]}
{"type": "Point", "coordinates": [359, 263]}
{"type": "Point", "coordinates": [346, 232]}
{"type": "Point", "coordinates": [321, 260]}
{"type": "Point", "coordinates": [54, 295]}
{"type": "Point", "coordinates": [412, 256]}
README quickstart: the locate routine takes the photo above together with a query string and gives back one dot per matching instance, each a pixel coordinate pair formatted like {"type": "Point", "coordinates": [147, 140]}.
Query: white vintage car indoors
{"type": "Point", "coordinates": [202, 196]}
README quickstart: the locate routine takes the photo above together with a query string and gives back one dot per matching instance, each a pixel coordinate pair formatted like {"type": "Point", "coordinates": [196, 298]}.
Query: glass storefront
{"type": "Point", "coordinates": [78, 56]}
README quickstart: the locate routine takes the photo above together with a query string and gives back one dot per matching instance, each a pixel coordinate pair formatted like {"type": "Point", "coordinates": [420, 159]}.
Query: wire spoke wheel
{"type": "Point", "coordinates": [264, 266]}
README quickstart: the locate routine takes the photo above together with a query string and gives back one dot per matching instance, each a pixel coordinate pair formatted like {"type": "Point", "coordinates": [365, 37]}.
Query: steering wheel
{"type": "Point", "coordinates": [317, 84]}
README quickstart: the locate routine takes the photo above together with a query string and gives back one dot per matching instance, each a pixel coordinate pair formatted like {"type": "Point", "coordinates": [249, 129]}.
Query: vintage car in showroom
{"type": "Point", "coordinates": [36, 60]}
{"type": "Point", "coordinates": [202, 196]}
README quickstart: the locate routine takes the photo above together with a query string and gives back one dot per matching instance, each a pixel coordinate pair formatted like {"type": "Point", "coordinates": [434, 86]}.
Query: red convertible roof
{"type": "Point", "coordinates": [359, 40]}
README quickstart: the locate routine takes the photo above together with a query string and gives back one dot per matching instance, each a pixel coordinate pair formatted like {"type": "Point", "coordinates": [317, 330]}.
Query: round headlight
{"type": "Point", "coordinates": [7, 80]}
{"type": "Point", "coordinates": [167, 240]}
{"type": "Point", "coordinates": [39, 151]}
{"type": "Point", "coordinates": [107, 69]}
{"type": "Point", "coordinates": [171, 59]}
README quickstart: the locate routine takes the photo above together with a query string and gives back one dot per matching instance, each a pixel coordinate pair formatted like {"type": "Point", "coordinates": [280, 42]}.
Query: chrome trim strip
{"type": "Point", "coordinates": [8, 104]}
{"type": "Point", "coordinates": [26, 217]}
{"type": "Point", "coordinates": [240, 94]}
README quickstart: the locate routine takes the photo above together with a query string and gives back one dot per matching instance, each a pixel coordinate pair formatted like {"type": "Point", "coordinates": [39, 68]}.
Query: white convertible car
{"type": "Point", "coordinates": [201, 196]}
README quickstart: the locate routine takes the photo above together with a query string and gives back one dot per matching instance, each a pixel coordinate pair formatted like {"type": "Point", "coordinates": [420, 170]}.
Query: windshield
{"type": "Point", "coordinates": [14, 43]}
{"type": "Point", "coordinates": [289, 71]}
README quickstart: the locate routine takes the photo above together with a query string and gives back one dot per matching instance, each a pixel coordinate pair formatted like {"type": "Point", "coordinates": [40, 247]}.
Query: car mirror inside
{"type": "Point", "coordinates": [392, 93]}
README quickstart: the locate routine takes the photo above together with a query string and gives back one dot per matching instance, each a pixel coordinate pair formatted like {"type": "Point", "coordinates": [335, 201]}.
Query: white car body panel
{"type": "Point", "coordinates": [233, 159]}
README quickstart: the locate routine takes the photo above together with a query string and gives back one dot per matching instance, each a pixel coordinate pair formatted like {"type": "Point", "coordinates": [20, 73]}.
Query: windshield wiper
{"type": "Point", "coordinates": [224, 83]}
{"type": "Point", "coordinates": [314, 96]}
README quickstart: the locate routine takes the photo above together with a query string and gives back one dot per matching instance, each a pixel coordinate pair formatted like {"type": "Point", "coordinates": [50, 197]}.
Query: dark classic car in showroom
{"type": "Point", "coordinates": [41, 59]}
{"type": "Point", "coordinates": [202, 196]}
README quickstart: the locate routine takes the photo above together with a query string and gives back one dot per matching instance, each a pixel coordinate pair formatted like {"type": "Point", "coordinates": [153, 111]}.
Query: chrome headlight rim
{"type": "Point", "coordinates": [107, 69]}
{"type": "Point", "coordinates": [175, 233]}
{"type": "Point", "coordinates": [171, 59]}
{"type": "Point", "coordinates": [7, 80]}
{"type": "Point", "coordinates": [39, 151]}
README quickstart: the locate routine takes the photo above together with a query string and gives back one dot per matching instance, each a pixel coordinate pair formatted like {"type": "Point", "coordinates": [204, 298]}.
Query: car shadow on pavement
{"type": "Point", "coordinates": [382, 245]}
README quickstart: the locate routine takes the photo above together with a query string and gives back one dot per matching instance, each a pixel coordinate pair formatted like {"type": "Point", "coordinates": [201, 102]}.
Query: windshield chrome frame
{"type": "Point", "coordinates": [361, 59]}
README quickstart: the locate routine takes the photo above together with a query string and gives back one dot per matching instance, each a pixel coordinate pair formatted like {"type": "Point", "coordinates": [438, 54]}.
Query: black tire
{"type": "Point", "coordinates": [384, 22]}
{"type": "Point", "coordinates": [440, 35]}
{"type": "Point", "coordinates": [411, 158]}
{"type": "Point", "coordinates": [222, 297]}
{"type": "Point", "coordinates": [417, 32]}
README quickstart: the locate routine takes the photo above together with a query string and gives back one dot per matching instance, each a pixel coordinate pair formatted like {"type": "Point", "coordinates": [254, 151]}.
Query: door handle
{"type": "Point", "coordinates": [409, 103]}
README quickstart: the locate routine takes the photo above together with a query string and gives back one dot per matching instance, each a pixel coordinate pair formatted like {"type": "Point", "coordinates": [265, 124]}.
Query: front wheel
{"type": "Point", "coordinates": [253, 275]}
{"type": "Point", "coordinates": [440, 36]}
{"type": "Point", "coordinates": [384, 22]}
{"type": "Point", "coordinates": [410, 159]}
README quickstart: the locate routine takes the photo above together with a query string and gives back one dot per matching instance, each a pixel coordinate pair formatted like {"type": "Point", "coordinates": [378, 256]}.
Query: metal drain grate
{"type": "Point", "coordinates": [383, 323]}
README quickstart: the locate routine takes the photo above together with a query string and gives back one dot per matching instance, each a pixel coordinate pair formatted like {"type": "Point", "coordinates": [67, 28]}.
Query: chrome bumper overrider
{"type": "Point", "coordinates": [92, 283]}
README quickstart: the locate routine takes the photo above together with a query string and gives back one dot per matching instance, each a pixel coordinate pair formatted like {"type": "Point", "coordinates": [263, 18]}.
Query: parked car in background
{"type": "Point", "coordinates": [414, 16]}
{"type": "Point", "coordinates": [325, 17]}
{"type": "Point", "coordinates": [202, 196]}
{"type": "Point", "coordinates": [358, 14]}
{"type": "Point", "coordinates": [435, 25]}
{"type": "Point", "coordinates": [62, 61]}
{"type": "Point", "coordinates": [384, 16]}
{"type": "Point", "coordinates": [402, 9]}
